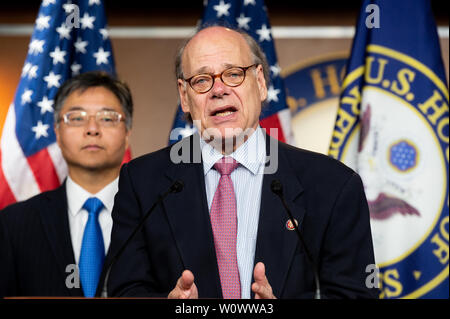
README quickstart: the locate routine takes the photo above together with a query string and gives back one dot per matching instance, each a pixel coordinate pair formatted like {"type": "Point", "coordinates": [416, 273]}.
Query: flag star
{"type": "Point", "coordinates": [272, 94]}
{"type": "Point", "coordinates": [75, 68]}
{"type": "Point", "coordinates": [275, 69]}
{"type": "Point", "coordinates": [69, 7]}
{"type": "Point", "coordinates": [92, 2]}
{"type": "Point", "coordinates": [87, 21]}
{"type": "Point", "coordinates": [26, 68]}
{"type": "Point", "coordinates": [247, 2]}
{"type": "Point", "coordinates": [58, 55]}
{"type": "Point", "coordinates": [32, 72]}
{"type": "Point", "coordinates": [80, 46]}
{"type": "Point", "coordinates": [47, 2]}
{"type": "Point", "coordinates": [26, 96]}
{"type": "Point", "coordinates": [187, 131]}
{"type": "Point", "coordinates": [42, 22]}
{"type": "Point", "coordinates": [243, 21]}
{"type": "Point", "coordinates": [64, 31]}
{"type": "Point", "coordinates": [101, 56]}
{"type": "Point", "coordinates": [46, 105]}
{"type": "Point", "coordinates": [36, 46]}
{"type": "Point", "coordinates": [40, 130]}
{"type": "Point", "coordinates": [222, 9]}
{"type": "Point", "coordinates": [264, 33]}
{"type": "Point", "coordinates": [52, 79]}
{"type": "Point", "coordinates": [104, 32]}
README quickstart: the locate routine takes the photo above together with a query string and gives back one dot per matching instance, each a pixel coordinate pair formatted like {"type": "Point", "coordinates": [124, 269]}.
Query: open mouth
{"type": "Point", "coordinates": [224, 111]}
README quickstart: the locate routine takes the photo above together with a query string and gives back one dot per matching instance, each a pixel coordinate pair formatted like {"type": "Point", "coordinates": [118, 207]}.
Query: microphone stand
{"type": "Point", "coordinates": [176, 187]}
{"type": "Point", "coordinates": [277, 188]}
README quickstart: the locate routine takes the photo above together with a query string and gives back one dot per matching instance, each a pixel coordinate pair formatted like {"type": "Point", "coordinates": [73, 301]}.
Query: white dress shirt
{"type": "Point", "coordinates": [247, 183]}
{"type": "Point", "coordinates": [78, 216]}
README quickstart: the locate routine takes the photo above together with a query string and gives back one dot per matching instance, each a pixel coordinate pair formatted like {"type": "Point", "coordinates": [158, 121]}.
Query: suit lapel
{"type": "Point", "coordinates": [188, 215]}
{"type": "Point", "coordinates": [276, 245]}
{"type": "Point", "coordinates": [56, 225]}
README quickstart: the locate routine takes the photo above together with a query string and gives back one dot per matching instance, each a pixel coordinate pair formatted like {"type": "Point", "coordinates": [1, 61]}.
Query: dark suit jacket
{"type": "Point", "coordinates": [326, 197]}
{"type": "Point", "coordinates": [36, 248]}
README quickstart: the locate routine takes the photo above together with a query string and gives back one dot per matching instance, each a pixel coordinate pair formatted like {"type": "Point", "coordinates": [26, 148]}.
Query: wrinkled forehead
{"type": "Point", "coordinates": [215, 48]}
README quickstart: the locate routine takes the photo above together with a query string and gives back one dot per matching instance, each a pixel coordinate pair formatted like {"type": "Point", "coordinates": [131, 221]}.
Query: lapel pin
{"type": "Point", "coordinates": [289, 224]}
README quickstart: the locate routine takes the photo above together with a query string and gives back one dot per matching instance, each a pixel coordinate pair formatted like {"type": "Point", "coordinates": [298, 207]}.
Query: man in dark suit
{"type": "Point", "coordinates": [46, 241]}
{"type": "Point", "coordinates": [226, 234]}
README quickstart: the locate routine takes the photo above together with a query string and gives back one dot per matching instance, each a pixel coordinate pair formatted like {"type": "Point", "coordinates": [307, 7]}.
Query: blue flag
{"type": "Point", "coordinates": [392, 127]}
{"type": "Point", "coordinates": [68, 38]}
{"type": "Point", "coordinates": [250, 16]}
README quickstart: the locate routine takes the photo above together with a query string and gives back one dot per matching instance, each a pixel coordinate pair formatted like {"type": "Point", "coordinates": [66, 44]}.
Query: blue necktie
{"type": "Point", "coordinates": [92, 249]}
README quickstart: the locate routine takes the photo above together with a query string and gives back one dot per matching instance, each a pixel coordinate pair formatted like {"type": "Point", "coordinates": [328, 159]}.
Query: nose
{"type": "Point", "coordinates": [219, 88]}
{"type": "Point", "coordinates": [92, 127]}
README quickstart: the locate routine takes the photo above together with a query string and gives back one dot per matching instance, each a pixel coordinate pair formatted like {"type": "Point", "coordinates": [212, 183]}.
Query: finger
{"type": "Point", "coordinates": [262, 291]}
{"type": "Point", "coordinates": [259, 273]}
{"type": "Point", "coordinates": [185, 284]}
{"type": "Point", "coordinates": [194, 292]}
{"type": "Point", "coordinates": [186, 280]}
{"type": "Point", "coordinates": [255, 289]}
{"type": "Point", "coordinates": [183, 287]}
{"type": "Point", "coordinates": [261, 286]}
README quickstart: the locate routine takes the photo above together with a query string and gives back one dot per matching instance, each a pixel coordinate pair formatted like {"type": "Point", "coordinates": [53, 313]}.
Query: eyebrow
{"type": "Point", "coordinates": [205, 69]}
{"type": "Point", "coordinates": [80, 108]}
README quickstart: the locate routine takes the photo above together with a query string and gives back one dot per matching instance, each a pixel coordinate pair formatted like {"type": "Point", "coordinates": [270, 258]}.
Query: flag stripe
{"type": "Point", "coordinates": [44, 172]}
{"type": "Point", "coordinates": [273, 122]}
{"type": "Point", "coordinates": [58, 161]}
{"type": "Point", "coordinates": [31, 160]}
{"type": "Point", "coordinates": [284, 116]}
{"type": "Point", "coordinates": [7, 196]}
{"type": "Point", "coordinates": [127, 156]}
{"type": "Point", "coordinates": [17, 173]}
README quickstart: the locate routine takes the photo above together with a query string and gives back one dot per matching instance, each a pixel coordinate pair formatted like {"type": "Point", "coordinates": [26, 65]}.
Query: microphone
{"type": "Point", "coordinates": [176, 187]}
{"type": "Point", "coordinates": [277, 189]}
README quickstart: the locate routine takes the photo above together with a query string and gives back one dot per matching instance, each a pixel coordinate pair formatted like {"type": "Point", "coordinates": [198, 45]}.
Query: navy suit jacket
{"type": "Point", "coordinates": [36, 248]}
{"type": "Point", "coordinates": [326, 198]}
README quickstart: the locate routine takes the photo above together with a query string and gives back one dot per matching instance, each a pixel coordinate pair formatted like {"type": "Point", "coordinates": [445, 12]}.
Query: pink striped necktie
{"type": "Point", "coordinates": [224, 226]}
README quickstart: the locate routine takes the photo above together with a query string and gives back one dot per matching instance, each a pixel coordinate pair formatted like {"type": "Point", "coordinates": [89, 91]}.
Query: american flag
{"type": "Point", "coordinates": [250, 16]}
{"type": "Point", "coordinates": [69, 37]}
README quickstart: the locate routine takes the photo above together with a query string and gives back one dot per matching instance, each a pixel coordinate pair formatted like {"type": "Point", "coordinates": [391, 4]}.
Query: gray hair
{"type": "Point", "coordinates": [92, 79]}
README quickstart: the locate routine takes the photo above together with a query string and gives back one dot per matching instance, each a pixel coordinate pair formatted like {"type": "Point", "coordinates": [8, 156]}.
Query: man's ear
{"type": "Point", "coordinates": [261, 82]}
{"type": "Point", "coordinates": [182, 91]}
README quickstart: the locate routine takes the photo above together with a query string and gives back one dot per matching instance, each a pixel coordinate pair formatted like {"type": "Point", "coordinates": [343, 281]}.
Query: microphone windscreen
{"type": "Point", "coordinates": [177, 186]}
{"type": "Point", "coordinates": [276, 187]}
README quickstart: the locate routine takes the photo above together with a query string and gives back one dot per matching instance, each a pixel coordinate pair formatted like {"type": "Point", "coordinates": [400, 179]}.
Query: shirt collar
{"type": "Point", "coordinates": [77, 196]}
{"type": "Point", "coordinates": [251, 154]}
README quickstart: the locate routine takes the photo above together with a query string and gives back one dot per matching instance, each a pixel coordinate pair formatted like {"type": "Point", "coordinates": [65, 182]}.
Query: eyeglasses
{"type": "Point", "coordinates": [103, 118]}
{"type": "Point", "coordinates": [202, 83]}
